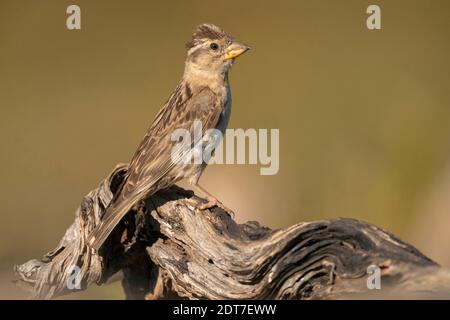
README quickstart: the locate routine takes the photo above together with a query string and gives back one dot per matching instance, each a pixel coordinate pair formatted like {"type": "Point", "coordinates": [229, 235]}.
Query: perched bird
{"type": "Point", "coordinates": [203, 95]}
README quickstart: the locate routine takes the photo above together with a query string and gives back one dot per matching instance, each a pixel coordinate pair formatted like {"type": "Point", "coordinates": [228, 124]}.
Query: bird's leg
{"type": "Point", "coordinates": [212, 201]}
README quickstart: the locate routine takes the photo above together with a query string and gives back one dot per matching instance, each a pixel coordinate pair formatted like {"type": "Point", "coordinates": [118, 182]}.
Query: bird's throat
{"type": "Point", "coordinates": [200, 78]}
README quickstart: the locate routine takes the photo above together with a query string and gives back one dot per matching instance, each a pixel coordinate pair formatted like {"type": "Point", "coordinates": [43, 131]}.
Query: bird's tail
{"type": "Point", "coordinates": [113, 214]}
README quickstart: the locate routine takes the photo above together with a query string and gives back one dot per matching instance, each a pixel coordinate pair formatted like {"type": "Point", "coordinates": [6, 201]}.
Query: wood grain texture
{"type": "Point", "coordinates": [168, 249]}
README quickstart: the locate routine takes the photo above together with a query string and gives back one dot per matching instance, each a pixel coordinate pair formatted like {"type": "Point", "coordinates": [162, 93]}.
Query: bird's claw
{"type": "Point", "coordinates": [215, 203]}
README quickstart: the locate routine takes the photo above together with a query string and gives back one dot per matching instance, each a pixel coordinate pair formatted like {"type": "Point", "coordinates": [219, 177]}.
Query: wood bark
{"type": "Point", "coordinates": [167, 248]}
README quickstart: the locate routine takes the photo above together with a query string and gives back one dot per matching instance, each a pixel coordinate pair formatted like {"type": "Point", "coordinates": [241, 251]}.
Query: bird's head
{"type": "Point", "coordinates": [211, 52]}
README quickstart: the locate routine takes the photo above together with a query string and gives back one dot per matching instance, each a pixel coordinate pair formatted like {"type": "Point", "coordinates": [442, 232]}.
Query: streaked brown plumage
{"type": "Point", "coordinates": [203, 94]}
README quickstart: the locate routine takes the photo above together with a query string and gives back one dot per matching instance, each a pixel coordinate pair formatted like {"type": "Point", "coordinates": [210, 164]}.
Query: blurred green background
{"type": "Point", "coordinates": [364, 116]}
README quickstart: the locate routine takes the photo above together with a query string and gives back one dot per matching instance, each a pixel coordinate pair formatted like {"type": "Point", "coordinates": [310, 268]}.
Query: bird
{"type": "Point", "coordinates": [203, 95]}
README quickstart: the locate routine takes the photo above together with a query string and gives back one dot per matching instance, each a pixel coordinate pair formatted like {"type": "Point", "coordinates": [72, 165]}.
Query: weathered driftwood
{"type": "Point", "coordinates": [169, 249]}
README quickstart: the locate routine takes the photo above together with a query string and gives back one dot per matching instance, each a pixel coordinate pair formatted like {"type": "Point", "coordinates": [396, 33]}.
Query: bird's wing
{"type": "Point", "coordinates": [153, 159]}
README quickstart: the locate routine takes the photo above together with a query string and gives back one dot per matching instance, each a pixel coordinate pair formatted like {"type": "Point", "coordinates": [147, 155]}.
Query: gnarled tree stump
{"type": "Point", "coordinates": [167, 248]}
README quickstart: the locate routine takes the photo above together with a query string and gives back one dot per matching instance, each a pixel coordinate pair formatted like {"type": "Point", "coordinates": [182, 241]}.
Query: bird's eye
{"type": "Point", "coordinates": [214, 46]}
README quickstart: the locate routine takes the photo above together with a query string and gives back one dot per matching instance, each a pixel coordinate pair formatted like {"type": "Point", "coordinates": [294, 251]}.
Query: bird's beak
{"type": "Point", "coordinates": [235, 50]}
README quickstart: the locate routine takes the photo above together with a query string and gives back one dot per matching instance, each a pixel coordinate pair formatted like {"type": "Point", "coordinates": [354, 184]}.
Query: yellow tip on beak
{"type": "Point", "coordinates": [235, 50]}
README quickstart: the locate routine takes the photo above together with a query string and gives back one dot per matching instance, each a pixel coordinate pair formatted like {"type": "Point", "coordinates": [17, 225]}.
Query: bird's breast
{"type": "Point", "coordinates": [226, 111]}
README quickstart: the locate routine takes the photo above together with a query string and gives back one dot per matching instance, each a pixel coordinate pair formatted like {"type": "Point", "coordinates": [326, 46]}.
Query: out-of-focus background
{"type": "Point", "coordinates": [364, 116]}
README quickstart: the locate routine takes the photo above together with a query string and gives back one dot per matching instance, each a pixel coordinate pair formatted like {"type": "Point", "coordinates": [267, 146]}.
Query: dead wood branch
{"type": "Point", "coordinates": [169, 249]}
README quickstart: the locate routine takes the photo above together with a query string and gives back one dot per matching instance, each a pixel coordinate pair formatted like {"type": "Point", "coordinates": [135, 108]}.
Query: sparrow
{"type": "Point", "coordinates": [202, 96]}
